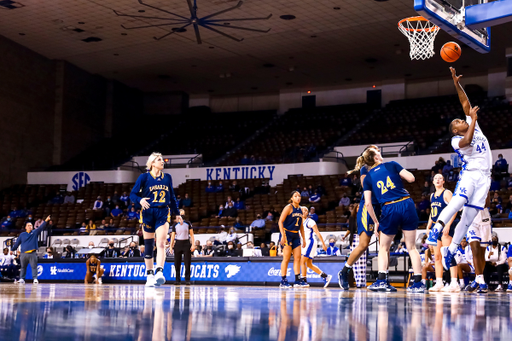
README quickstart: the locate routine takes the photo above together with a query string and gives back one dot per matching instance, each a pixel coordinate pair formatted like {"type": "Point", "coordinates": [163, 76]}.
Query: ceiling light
{"type": "Point", "coordinates": [373, 86]}
{"type": "Point", "coordinates": [309, 91]}
{"type": "Point", "coordinates": [287, 17]}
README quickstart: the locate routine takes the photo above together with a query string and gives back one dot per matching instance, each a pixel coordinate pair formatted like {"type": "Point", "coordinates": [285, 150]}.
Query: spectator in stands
{"type": "Point", "coordinates": [508, 207]}
{"type": "Point", "coordinates": [231, 236]}
{"type": "Point", "coordinates": [108, 205]}
{"type": "Point", "coordinates": [509, 184]}
{"type": "Point", "coordinates": [452, 176]}
{"type": "Point", "coordinates": [115, 198]}
{"type": "Point", "coordinates": [496, 198]}
{"type": "Point", "coordinates": [132, 215]}
{"type": "Point", "coordinates": [50, 226]}
{"type": "Point", "coordinates": [134, 250]}
{"type": "Point", "coordinates": [494, 211]}
{"type": "Point", "coordinates": [50, 253]}
{"type": "Point", "coordinates": [106, 227]}
{"type": "Point", "coordinates": [447, 168]}
{"type": "Point", "coordinates": [178, 202]}
{"type": "Point", "coordinates": [258, 223]}
{"type": "Point", "coordinates": [98, 204]}
{"type": "Point", "coordinates": [186, 201]}
{"type": "Point", "coordinates": [495, 261]}
{"type": "Point", "coordinates": [91, 227]}
{"type": "Point", "coordinates": [221, 211]}
{"type": "Point", "coordinates": [311, 190]}
{"type": "Point", "coordinates": [239, 204]}
{"type": "Point", "coordinates": [304, 193]}
{"type": "Point", "coordinates": [426, 189]}
{"type": "Point", "coordinates": [245, 160]}
{"type": "Point", "coordinates": [14, 213]}
{"type": "Point", "coordinates": [6, 224]}
{"type": "Point", "coordinates": [321, 190]}
{"type": "Point", "coordinates": [219, 188]}
{"type": "Point", "coordinates": [228, 200]}
{"type": "Point", "coordinates": [332, 250]}
{"type": "Point", "coordinates": [234, 187]}
{"type": "Point", "coordinates": [501, 165]}
{"type": "Point", "coordinates": [345, 181]}
{"type": "Point", "coordinates": [315, 197]}
{"type": "Point", "coordinates": [441, 163]}
{"type": "Point", "coordinates": [265, 251]}
{"type": "Point", "coordinates": [221, 236]}
{"type": "Point", "coordinates": [230, 211]}
{"type": "Point", "coordinates": [345, 200]}
{"type": "Point", "coordinates": [424, 214]}
{"type": "Point", "coordinates": [101, 227]}
{"type": "Point", "coordinates": [313, 215]}
{"type": "Point", "coordinates": [239, 251]}
{"type": "Point", "coordinates": [230, 250]}
{"type": "Point", "coordinates": [495, 184]}
{"type": "Point", "coordinates": [125, 252]}
{"type": "Point", "coordinates": [69, 198]}
{"type": "Point", "coordinates": [435, 169]}
{"type": "Point", "coordinates": [238, 224]}
{"type": "Point", "coordinates": [269, 217]}
{"type": "Point", "coordinates": [124, 199]}
{"type": "Point", "coordinates": [57, 199]}
{"type": "Point", "coordinates": [38, 223]}
{"type": "Point", "coordinates": [116, 212]}
{"type": "Point", "coordinates": [111, 251]}
{"type": "Point", "coordinates": [83, 228]}
{"type": "Point", "coordinates": [208, 249]}
{"type": "Point", "coordinates": [7, 267]}
{"type": "Point", "coordinates": [210, 188]}
{"type": "Point", "coordinates": [424, 203]}
{"type": "Point", "coordinates": [142, 248]}
{"type": "Point", "coordinates": [199, 248]}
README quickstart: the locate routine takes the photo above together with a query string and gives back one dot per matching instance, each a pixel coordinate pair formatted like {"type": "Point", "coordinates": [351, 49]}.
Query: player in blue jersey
{"type": "Point", "coordinates": [154, 191]}
{"type": "Point", "coordinates": [365, 225]}
{"type": "Point", "coordinates": [309, 252]}
{"type": "Point", "coordinates": [438, 201]}
{"type": "Point", "coordinates": [290, 223]}
{"type": "Point", "coordinates": [398, 210]}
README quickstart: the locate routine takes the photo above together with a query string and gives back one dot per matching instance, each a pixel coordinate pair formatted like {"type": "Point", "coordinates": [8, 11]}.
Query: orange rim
{"type": "Point", "coordinates": [418, 18]}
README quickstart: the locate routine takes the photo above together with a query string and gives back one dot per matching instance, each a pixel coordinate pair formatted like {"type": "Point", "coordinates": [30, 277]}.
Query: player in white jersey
{"type": "Point", "coordinates": [309, 252]}
{"type": "Point", "coordinates": [475, 178]}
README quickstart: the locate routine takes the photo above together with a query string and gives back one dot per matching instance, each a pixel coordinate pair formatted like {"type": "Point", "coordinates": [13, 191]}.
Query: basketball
{"type": "Point", "coordinates": [450, 52]}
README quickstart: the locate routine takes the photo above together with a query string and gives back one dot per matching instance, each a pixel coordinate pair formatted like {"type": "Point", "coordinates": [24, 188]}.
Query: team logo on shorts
{"type": "Point", "coordinates": [371, 227]}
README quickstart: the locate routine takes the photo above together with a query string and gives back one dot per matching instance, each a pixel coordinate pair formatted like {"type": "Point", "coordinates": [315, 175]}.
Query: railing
{"type": "Point", "coordinates": [339, 157]}
{"type": "Point", "coordinates": [404, 150]}
{"type": "Point", "coordinates": [133, 163]}
{"type": "Point", "coordinates": [57, 232]}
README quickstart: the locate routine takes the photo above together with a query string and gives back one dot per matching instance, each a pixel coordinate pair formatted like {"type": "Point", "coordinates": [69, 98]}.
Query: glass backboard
{"type": "Point", "coordinates": [450, 16]}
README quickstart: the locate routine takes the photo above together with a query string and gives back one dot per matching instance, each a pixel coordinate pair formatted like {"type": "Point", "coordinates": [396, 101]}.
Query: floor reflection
{"type": "Point", "coordinates": [133, 312]}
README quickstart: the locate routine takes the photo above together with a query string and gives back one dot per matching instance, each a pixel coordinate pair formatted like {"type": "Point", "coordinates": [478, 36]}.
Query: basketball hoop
{"type": "Point", "coordinates": [421, 34]}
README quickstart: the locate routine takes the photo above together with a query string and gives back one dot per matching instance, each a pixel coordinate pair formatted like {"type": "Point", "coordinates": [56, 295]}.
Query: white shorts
{"type": "Point", "coordinates": [474, 186]}
{"type": "Point", "coordinates": [480, 230]}
{"type": "Point", "coordinates": [310, 250]}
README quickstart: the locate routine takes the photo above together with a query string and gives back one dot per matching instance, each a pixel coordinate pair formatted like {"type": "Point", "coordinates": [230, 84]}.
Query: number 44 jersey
{"type": "Point", "coordinates": [476, 156]}
{"type": "Point", "coordinates": [384, 180]}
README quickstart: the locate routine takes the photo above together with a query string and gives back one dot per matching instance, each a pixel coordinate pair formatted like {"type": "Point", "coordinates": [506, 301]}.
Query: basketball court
{"type": "Point", "coordinates": [133, 312]}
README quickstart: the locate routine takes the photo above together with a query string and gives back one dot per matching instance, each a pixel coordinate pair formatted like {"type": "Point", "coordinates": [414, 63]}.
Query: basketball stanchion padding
{"type": "Point", "coordinates": [421, 34]}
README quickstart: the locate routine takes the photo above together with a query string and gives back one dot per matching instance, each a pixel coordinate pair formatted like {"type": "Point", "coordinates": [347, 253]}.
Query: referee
{"type": "Point", "coordinates": [182, 241]}
{"type": "Point", "coordinates": [28, 241]}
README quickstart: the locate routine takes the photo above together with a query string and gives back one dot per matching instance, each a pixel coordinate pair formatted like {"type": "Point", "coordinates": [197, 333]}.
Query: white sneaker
{"type": "Point", "coordinates": [437, 287]}
{"type": "Point", "coordinates": [451, 288]}
{"type": "Point", "coordinates": [21, 281]}
{"type": "Point", "coordinates": [498, 288]}
{"type": "Point", "coordinates": [99, 281]}
{"type": "Point", "coordinates": [151, 281]}
{"type": "Point", "coordinates": [35, 281]}
{"type": "Point", "coordinates": [159, 278]}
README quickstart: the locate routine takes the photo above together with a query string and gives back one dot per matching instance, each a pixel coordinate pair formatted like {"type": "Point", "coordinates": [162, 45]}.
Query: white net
{"type": "Point", "coordinates": [421, 34]}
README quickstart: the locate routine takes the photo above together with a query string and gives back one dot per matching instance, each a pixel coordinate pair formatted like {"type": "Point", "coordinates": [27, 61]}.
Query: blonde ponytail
{"type": "Point", "coordinates": [359, 165]}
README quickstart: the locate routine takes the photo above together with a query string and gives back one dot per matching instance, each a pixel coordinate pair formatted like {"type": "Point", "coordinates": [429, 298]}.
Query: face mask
{"type": "Point", "coordinates": [494, 242]}
{"type": "Point", "coordinates": [230, 247]}
{"type": "Point", "coordinates": [111, 244]}
{"type": "Point", "coordinates": [90, 246]}
{"type": "Point", "coordinates": [331, 244]}
{"type": "Point", "coordinates": [132, 247]}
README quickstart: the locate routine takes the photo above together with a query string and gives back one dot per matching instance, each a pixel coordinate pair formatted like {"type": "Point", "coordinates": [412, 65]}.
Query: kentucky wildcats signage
{"type": "Point", "coordinates": [200, 271]}
{"type": "Point", "coordinates": [234, 173]}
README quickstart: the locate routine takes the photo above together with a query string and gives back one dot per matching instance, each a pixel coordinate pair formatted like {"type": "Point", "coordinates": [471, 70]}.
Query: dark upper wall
{"type": "Point", "coordinates": [27, 99]}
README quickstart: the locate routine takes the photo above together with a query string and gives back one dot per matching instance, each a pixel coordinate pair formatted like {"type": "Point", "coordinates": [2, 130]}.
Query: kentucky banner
{"type": "Point", "coordinates": [200, 271]}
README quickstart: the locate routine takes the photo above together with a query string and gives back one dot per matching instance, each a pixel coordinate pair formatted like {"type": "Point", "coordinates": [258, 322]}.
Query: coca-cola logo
{"type": "Point", "coordinates": [277, 272]}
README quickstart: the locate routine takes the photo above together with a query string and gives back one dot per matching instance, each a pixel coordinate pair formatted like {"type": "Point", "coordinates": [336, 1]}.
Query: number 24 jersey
{"type": "Point", "coordinates": [384, 180]}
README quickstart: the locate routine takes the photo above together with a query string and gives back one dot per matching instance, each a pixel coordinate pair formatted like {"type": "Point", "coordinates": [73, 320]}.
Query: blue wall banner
{"type": "Point", "coordinates": [200, 271]}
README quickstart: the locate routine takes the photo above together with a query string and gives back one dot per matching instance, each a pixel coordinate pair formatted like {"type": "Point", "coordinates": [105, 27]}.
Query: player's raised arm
{"type": "Point", "coordinates": [463, 98]}
{"type": "Point", "coordinates": [468, 136]}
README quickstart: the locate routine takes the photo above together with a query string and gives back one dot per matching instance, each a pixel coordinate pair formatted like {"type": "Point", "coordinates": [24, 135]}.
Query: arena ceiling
{"type": "Point", "coordinates": [329, 43]}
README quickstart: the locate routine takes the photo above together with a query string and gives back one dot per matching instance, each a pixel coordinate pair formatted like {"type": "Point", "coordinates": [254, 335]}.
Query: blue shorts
{"type": "Point", "coordinates": [293, 239]}
{"type": "Point", "coordinates": [153, 218]}
{"type": "Point", "coordinates": [450, 233]}
{"type": "Point", "coordinates": [364, 221]}
{"type": "Point", "coordinates": [399, 214]}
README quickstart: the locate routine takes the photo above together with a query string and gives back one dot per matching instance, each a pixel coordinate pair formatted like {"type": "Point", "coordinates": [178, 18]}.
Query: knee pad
{"type": "Point", "coordinates": [510, 271]}
{"type": "Point", "coordinates": [149, 245]}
